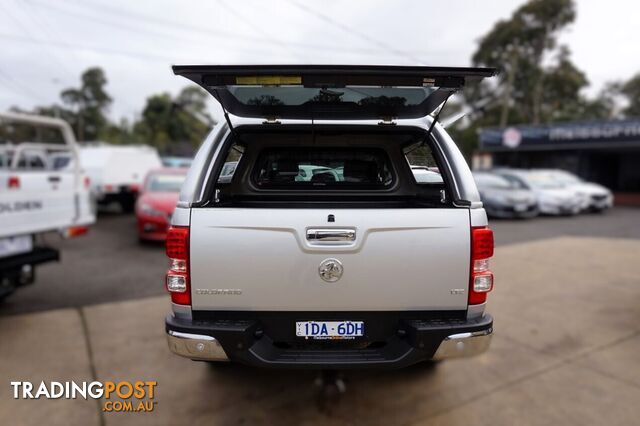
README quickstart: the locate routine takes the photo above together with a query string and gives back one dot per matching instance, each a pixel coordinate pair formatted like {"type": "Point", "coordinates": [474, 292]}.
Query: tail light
{"type": "Point", "coordinates": [87, 182]}
{"type": "Point", "coordinates": [177, 279]}
{"type": "Point", "coordinates": [76, 231]}
{"type": "Point", "coordinates": [481, 278]}
{"type": "Point", "coordinates": [13, 182]}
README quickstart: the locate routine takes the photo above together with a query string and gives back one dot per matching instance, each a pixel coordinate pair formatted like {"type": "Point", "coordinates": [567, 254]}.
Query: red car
{"type": "Point", "coordinates": [156, 202]}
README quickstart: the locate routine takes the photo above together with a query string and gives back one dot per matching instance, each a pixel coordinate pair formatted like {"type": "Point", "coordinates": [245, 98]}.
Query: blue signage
{"type": "Point", "coordinates": [561, 134]}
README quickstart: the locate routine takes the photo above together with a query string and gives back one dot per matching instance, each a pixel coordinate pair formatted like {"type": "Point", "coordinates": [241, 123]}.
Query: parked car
{"type": "Point", "coordinates": [503, 198]}
{"type": "Point", "coordinates": [554, 198]}
{"type": "Point", "coordinates": [117, 171]}
{"type": "Point", "coordinates": [368, 269]}
{"type": "Point", "coordinates": [157, 201]}
{"type": "Point", "coordinates": [38, 198]}
{"type": "Point", "coordinates": [595, 197]}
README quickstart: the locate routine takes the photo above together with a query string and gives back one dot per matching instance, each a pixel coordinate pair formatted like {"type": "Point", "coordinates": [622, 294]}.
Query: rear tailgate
{"type": "Point", "coordinates": [43, 201]}
{"type": "Point", "coordinates": [261, 259]}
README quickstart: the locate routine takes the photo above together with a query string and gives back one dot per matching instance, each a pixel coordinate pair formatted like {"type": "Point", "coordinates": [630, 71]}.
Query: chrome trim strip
{"type": "Point", "coordinates": [469, 334]}
{"type": "Point", "coordinates": [464, 344]}
{"type": "Point", "coordinates": [196, 346]}
{"type": "Point", "coordinates": [191, 336]}
{"type": "Point", "coordinates": [328, 235]}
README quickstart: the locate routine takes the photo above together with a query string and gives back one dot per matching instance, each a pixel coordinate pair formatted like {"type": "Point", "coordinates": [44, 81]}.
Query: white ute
{"type": "Point", "coordinates": [322, 249]}
{"type": "Point", "coordinates": [36, 197]}
{"type": "Point", "coordinates": [118, 172]}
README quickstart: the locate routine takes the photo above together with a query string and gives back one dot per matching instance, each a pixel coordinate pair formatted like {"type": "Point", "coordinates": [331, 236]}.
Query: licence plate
{"type": "Point", "coordinates": [330, 329]}
{"type": "Point", "coordinates": [15, 245]}
{"type": "Point", "coordinates": [520, 207]}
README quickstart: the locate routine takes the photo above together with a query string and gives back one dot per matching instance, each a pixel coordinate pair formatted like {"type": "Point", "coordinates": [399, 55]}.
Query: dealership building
{"type": "Point", "coordinates": [606, 152]}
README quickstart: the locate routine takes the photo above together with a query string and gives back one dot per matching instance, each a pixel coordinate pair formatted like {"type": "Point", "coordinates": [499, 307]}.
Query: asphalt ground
{"type": "Point", "coordinates": [564, 352]}
{"type": "Point", "coordinates": [109, 264]}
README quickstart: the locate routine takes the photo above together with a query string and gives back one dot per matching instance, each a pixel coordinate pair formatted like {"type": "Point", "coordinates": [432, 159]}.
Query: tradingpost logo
{"type": "Point", "coordinates": [123, 396]}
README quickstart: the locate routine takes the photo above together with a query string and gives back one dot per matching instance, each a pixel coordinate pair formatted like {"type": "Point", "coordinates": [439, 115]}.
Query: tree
{"type": "Point", "coordinates": [631, 90]}
{"type": "Point", "coordinates": [166, 121]}
{"type": "Point", "coordinates": [154, 124]}
{"type": "Point", "coordinates": [517, 47]}
{"type": "Point", "coordinates": [537, 81]}
{"type": "Point", "coordinates": [90, 103]}
{"type": "Point", "coordinates": [561, 83]}
{"type": "Point", "coordinates": [120, 133]}
{"type": "Point", "coordinates": [173, 125]}
{"type": "Point", "coordinates": [190, 109]}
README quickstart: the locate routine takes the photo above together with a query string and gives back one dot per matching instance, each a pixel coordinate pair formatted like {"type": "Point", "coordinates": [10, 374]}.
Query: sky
{"type": "Point", "coordinates": [46, 44]}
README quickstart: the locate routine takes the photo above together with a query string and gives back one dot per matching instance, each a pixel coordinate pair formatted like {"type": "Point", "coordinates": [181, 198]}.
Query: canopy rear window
{"type": "Point", "coordinates": [330, 91]}
{"type": "Point", "coordinates": [357, 95]}
{"type": "Point", "coordinates": [323, 168]}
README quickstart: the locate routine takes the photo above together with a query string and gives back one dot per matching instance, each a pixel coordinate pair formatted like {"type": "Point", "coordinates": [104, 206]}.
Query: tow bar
{"type": "Point", "coordinates": [330, 386]}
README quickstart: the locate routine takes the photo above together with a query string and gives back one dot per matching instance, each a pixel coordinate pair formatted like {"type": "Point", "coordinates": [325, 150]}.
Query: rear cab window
{"type": "Point", "coordinates": [327, 165]}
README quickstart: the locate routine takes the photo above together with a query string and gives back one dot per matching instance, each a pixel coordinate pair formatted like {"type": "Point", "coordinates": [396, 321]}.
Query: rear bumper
{"type": "Point", "coordinates": [12, 272]}
{"type": "Point", "coordinates": [559, 210]}
{"type": "Point", "coordinates": [247, 342]}
{"type": "Point", "coordinates": [35, 257]}
{"type": "Point", "coordinates": [601, 204]}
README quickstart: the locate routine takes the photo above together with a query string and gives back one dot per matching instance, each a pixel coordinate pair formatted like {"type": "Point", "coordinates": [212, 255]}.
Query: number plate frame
{"type": "Point", "coordinates": [11, 246]}
{"type": "Point", "coordinates": [330, 330]}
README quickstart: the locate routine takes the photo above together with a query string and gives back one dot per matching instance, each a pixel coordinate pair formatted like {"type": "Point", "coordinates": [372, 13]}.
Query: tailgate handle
{"type": "Point", "coordinates": [328, 235]}
{"type": "Point", "coordinates": [54, 179]}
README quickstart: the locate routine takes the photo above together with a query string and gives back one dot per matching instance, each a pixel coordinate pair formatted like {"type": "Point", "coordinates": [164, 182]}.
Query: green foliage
{"type": "Point", "coordinates": [538, 82]}
{"type": "Point", "coordinates": [530, 31]}
{"type": "Point", "coordinates": [90, 103]}
{"type": "Point", "coordinates": [631, 90]}
{"type": "Point", "coordinates": [518, 47]}
{"type": "Point", "coordinates": [166, 120]}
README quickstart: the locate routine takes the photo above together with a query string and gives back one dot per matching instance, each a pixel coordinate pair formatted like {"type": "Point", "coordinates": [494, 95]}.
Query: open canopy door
{"type": "Point", "coordinates": [330, 91]}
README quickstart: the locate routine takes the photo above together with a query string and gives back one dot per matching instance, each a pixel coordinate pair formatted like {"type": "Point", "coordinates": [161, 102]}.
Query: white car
{"type": "Point", "coordinates": [117, 172]}
{"type": "Point", "coordinates": [321, 249]}
{"type": "Point", "coordinates": [554, 198]}
{"type": "Point", "coordinates": [37, 197]}
{"type": "Point", "coordinates": [503, 198]}
{"type": "Point", "coordinates": [594, 197]}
